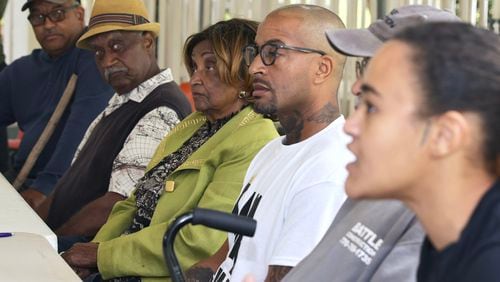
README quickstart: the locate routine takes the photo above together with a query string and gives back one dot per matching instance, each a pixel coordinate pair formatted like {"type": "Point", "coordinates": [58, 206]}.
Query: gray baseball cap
{"type": "Point", "coordinates": [364, 42]}
{"type": "Point", "coordinates": [30, 2]}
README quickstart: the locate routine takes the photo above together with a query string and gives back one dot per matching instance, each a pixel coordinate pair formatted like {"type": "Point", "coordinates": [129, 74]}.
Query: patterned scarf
{"type": "Point", "coordinates": [152, 184]}
{"type": "Point", "coordinates": [150, 187]}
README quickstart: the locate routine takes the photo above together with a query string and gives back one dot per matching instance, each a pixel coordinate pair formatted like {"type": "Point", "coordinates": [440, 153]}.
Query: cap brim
{"type": "Point", "coordinates": [83, 40]}
{"type": "Point", "coordinates": [26, 6]}
{"type": "Point", "coordinates": [29, 3]}
{"type": "Point", "coordinates": [354, 42]}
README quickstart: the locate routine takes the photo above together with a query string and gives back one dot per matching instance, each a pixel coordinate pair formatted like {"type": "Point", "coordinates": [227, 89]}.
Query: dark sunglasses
{"type": "Point", "coordinates": [55, 15]}
{"type": "Point", "coordinates": [269, 51]}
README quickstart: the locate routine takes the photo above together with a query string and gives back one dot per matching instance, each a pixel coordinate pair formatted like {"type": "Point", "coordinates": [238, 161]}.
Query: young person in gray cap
{"type": "Point", "coordinates": [427, 133]}
{"type": "Point", "coordinates": [370, 240]}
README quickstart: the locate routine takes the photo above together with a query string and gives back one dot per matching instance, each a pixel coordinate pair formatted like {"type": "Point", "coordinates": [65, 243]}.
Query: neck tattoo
{"type": "Point", "coordinates": [293, 123]}
{"type": "Point", "coordinates": [326, 115]}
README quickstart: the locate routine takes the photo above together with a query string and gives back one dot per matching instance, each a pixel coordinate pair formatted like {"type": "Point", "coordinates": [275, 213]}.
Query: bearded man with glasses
{"type": "Point", "coordinates": [370, 240]}
{"type": "Point", "coordinates": [295, 185]}
{"type": "Point", "coordinates": [33, 85]}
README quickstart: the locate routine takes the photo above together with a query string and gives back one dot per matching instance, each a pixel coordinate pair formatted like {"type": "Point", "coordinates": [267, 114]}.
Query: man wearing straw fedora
{"type": "Point", "coordinates": [121, 141]}
{"type": "Point", "coordinates": [33, 85]}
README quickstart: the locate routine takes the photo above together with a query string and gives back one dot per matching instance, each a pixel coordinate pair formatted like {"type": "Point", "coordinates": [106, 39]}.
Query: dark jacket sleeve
{"type": "Point", "coordinates": [90, 97]}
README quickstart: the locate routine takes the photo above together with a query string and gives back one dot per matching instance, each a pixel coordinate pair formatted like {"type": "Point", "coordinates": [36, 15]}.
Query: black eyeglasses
{"type": "Point", "coordinates": [361, 66]}
{"type": "Point", "coordinates": [55, 15]}
{"type": "Point", "coordinates": [269, 51]}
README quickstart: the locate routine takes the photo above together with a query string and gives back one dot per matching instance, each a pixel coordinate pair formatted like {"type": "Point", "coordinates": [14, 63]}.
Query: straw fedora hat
{"type": "Point", "coordinates": [111, 15]}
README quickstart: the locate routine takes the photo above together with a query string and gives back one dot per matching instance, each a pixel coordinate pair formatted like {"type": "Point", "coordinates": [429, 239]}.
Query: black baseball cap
{"type": "Point", "coordinates": [30, 2]}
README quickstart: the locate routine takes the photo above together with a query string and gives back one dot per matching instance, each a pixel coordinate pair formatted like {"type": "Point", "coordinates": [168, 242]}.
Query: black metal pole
{"type": "Point", "coordinates": [168, 246]}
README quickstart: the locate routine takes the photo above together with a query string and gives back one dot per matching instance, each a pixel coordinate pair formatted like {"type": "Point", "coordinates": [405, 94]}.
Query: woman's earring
{"type": "Point", "coordinates": [242, 94]}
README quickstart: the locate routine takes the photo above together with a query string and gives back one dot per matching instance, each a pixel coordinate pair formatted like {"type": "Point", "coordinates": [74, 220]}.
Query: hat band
{"type": "Point", "coordinates": [117, 18]}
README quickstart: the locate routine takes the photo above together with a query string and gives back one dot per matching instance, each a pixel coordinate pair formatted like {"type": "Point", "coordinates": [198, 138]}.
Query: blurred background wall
{"type": "Point", "coordinates": [180, 18]}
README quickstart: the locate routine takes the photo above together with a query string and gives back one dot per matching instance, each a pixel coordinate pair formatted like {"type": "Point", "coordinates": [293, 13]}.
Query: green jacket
{"type": "Point", "coordinates": [211, 177]}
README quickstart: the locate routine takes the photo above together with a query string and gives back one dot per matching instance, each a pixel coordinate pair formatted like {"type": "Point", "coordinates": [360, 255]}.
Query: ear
{"type": "Point", "coordinates": [148, 40]}
{"type": "Point", "coordinates": [80, 13]}
{"type": "Point", "coordinates": [450, 133]}
{"type": "Point", "coordinates": [324, 68]}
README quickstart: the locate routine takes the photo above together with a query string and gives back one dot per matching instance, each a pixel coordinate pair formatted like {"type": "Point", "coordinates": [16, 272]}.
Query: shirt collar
{"type": "Point", "coordinates": [144, 89]}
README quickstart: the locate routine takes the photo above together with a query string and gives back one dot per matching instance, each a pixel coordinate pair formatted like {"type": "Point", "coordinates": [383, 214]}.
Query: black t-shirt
{"type": "Point", "coordinates": [476, 255]}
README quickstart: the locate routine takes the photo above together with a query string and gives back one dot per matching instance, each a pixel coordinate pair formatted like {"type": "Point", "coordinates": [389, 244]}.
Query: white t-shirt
{"type": "Point", "coordinates": [294, 192]}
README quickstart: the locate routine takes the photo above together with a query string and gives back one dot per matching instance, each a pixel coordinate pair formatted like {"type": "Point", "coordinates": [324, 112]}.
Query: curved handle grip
{"type": "Point", "coordinates": [215, 219]}
{"type": "Point", "coordinates": [224, 221]}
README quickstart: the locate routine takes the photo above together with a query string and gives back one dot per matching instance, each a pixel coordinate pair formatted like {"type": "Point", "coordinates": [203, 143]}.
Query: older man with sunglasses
{"type": "Point", "coordinates": [33, 85]}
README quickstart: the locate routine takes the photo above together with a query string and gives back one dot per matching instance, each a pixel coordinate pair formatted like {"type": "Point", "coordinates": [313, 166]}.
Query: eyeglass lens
{"type": "Point", "coordinates": [249, 54]}
{"type": "Point", "coordinates": [360, 67]}
{"type": "Point", "coordinates": [267, 53]}
{"type": "Point", "coordinates": [56, 15]}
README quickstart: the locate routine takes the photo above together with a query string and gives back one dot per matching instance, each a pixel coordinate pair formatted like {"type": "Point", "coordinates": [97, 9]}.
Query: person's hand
{"type": "Point", "coordinates": [82, 257]}
{"type": "Point", "coordinates": [83, 272]}
{"type": "Point", "coordinates": [33, 197]}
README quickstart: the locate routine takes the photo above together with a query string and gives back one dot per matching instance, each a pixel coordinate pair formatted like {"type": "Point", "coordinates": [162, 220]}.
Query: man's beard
{"type": "Point", "coordinates": [270, 108]}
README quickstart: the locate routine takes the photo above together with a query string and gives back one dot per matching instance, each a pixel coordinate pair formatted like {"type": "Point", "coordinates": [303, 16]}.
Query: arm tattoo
{"type": "Point", "coordinates": [327, 114]}
{"type": "Point", "coordinates": [277, 272]}
{"type": "Point", "coordinates": [199, 274]}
